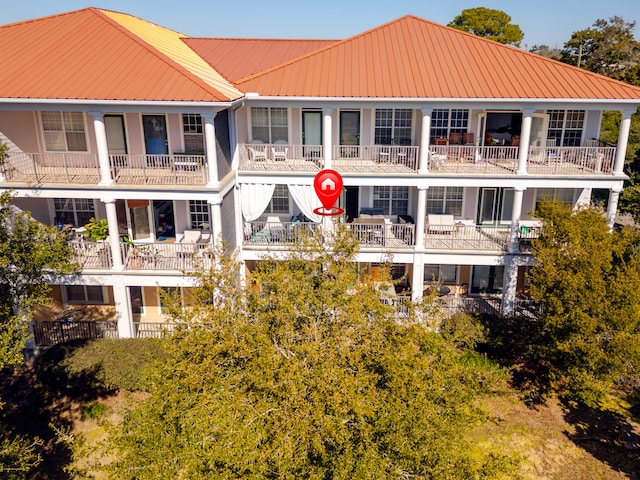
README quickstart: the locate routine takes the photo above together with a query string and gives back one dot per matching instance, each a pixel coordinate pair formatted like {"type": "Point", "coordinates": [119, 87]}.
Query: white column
{"type": "Point", "coordinates": [623, 139]}
{"type": "Point", "coordinates": [327, 131]}
{"type": "Point", "coordinates": [516, 212]}
{"type": "Point", "coordinates": [525, 136]}
{"type": "Point", "coordinates": [417, 277]}
{"type": "Point", "coordinates": [216, 221]}
{"type": "Point", "coordinates": [509, 286]}
{"type": "Point", "coordinates": [211, 154]}
{"type": "Point", "coordinates": [612, 207]}
{"type": "Point", "coordinates": [421, 213]}
{"type": "Point", "coordinates": [124, 315]}
{"type": "Point", "coordinates": [103, 149]}
{"type": "Point", "coordinates": [423, 162]}
{"type": "Point", "coordinates": [114, 234]}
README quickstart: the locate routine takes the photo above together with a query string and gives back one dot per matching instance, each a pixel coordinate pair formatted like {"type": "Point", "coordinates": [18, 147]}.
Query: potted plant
{"type": "Point", "coordinates": [97, 230]}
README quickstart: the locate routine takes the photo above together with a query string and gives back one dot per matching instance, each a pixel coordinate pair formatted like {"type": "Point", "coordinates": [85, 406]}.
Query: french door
{"type": "Point", "coordinates": [495, 206]}
{"type": "Point", "coordinates": [155, 134]}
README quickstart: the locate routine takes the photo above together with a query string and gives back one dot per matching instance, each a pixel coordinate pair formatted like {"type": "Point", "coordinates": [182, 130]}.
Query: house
{"type": "Point", "coordinates": [445, 142]}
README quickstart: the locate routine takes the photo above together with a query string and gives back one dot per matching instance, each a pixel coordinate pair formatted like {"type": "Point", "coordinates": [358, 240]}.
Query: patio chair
{"type": "Point", "coordinates": [279, 153]}
{"type": "Point", "coordinates": [468, 138]}
{"type": "Point", "coordinates": [455, 138]}
{"type": "Point", "coordinates": [191, 236]}
{"type": "Point", "coordinates": [257, 153]}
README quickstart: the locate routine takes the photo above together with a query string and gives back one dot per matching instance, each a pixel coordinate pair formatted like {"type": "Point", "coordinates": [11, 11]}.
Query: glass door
{"type": "Point", "coordinates": [312, 134]}
{"type": "Point", "coordinates": [155, 134]}
{"type": "Point", "coordinates": [139, 219]}
{"type": "Point", "coordinates": [495, 206]}
{"type": "Point", "coordinates": [349, 133]}
{"type": "Point", "coordinates": [116, 138]}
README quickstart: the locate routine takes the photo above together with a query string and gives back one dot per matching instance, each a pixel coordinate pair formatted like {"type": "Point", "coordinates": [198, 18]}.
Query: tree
{"type": "Point", "coordinates": [586, 278]}
{"type": "Point", "coordinates": [307, 374]}
{"type": "Point", "coordinates": [30, 253]}
{"type": "Point", "coordinates": [547, 51]}
{"type": "Point", "coordinates": [492, 24]}
{"type": "Point", "coordinates": [608, 48]}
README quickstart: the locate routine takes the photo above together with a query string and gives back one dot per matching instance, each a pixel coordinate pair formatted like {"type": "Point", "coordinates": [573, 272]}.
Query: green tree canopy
{"type": "Point", "coordinates": [306, 375]}
{"type": "Point", "coordinates": [492, 24]}
{"type": "Point", "coordinates": [30, 253]}
{"type": "Point", "coordinates": [587, 279]}
{"type": "Point", "coordinates": [608, 48]}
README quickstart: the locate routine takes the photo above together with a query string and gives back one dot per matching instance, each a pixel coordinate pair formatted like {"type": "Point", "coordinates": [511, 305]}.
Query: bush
{"type": "Point", "coordinates": [463, 330]}
{"type": "Point", "coordinates": [102, 365]}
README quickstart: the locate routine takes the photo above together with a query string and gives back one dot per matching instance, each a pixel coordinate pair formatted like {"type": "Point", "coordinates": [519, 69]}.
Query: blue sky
{"type": "Point", "coordinates": [543, 21]}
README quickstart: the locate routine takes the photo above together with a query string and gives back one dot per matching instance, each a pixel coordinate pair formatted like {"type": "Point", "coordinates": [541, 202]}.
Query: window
{"type": "Point", "coordinates": [445, 200]}
{"type": "Point", "coordinates": [392, 200]}
{"type": "Point", "coordinates": [566, 127]}
{"type": "Point", "coordinates": [73, 211]}
{"type": "Point", "coordinates": [393, 126]}
{"type": "Point", "coordinates": [562, 194]}
{"type": "Point", "coordinates": [84, 294]}
{"type": "Point", "coordinates": [280, 200]}
{"type": "Point", "coordinates": [269, 125]}
{"type": "Point", "coordinates": [193, 132]}
{"type": "Point", "coordinates": [440, 273]}
{"type": "Point", "coordinates": [64, 131]}
{"type": "Point", "coordinates": [444, 122]}
{"type": "Point", "coordinates": [199, 215]}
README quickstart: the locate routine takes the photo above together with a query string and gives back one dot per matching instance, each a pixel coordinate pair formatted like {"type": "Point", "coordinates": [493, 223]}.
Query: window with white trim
{"type": "Point", "coordinates": [446, 121]}
{"type": "Point", "coordinates": [73, 211]}
{"type": "Point", "coordinates": [445, 200]}
{"type": "Point", "coordinates": [566, 127]}
{"type": "Point", "coordinates": [269, 124]}
{"type": "Point", "coordinates": [199, 215]}
{"type": "Point", "coordinates": [84, 294]}
{"type": "Point", "coordinates": [393, 126]}
{"type": "Point", "coordinates": [64, 131]}
{"type": "Point", "coordinates": [391, 200]}
{"type": "Point", "coordinates": [193, 133]}
{"type": "Point", "coordinates": [440, 273]}
{"type": "Point", "coordinates": [564, 195]}
{"type": "Point", "coordinates": [279, 201]}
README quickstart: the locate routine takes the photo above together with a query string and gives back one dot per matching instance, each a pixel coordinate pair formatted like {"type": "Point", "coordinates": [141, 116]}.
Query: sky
{"type": "Point", "coordinates": [544, 22]}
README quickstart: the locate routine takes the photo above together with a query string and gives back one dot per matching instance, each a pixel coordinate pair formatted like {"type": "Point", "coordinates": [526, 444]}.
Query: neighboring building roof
{"type": "Point", "coordinates": [236, 58]}
{"type": "Point", "coordinates": [100, 55]}
{"type": "Point", "coordinates": [415, 58]}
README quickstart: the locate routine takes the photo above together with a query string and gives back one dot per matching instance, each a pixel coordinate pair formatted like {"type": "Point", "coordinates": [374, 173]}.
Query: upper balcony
{"type": "Point", "coordinates": [442, 159]}
{"type": "Point", "coordinates": [83, 169]}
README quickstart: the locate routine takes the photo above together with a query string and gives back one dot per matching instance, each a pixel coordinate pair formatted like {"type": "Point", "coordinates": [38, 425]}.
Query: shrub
{"type": "Point", "coordinates": [101, 365]}
{"type": "Point", "coordinates": [463, 330]}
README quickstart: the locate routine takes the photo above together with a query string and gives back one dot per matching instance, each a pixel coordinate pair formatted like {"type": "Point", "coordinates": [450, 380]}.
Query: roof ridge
{"type": "Point", "coordinates": [38, 19]}
{"type": "Point", "coordinates": [249, 39]}
{"type": "Point", "coordinates": [320, 50]}
{"type": "Point", "coordinates": [185, 72]}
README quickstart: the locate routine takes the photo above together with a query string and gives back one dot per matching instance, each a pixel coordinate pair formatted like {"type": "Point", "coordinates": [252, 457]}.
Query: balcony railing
{"type": "Point", "coordinates": [384, 235]}
{"type": "Point", "coordinates": [358, 158]}
{"type": "Point", "coordinates": [280, 157]}
{"type": "Point", "coordinates": [51, 167]}
{"type": "Point", "coordinates": [259, 233]}
{"type": "Point", "coordinates": [571, 160]}
{"type": "Point", "coordinates": [176, 169]}
{"type": "Point", "coordinates": [468, 237]}
{"type": "Point", "coordinates": [166, 256]}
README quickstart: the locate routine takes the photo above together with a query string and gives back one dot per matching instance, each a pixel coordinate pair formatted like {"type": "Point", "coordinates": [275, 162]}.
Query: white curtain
{"type": "Point", "coordinates": [306, 198]}
{"type": "Point", "coordinates": [254, 199]}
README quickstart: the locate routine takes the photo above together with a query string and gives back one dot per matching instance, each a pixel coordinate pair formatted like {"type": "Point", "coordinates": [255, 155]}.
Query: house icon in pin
{"type": "Point", "coordinates": [328, 184]}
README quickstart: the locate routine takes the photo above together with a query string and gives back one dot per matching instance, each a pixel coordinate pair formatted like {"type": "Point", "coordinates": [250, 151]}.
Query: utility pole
{"type": "Point", "coordinates": [579, 55]}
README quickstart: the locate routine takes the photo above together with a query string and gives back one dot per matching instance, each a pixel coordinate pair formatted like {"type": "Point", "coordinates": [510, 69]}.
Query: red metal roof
{"type": "Point", "coordinates": [236, 58]}
{"type": "Point", "coordinates": [85, 54]}
{"type": "Point", "coordinates": [415, 58]}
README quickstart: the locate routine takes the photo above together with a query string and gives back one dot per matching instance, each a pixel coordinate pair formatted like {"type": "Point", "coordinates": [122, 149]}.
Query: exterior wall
{"type": "Point", "coordinates": [20, 128]}
{"type": "Point", "coordinates": [228, 213]}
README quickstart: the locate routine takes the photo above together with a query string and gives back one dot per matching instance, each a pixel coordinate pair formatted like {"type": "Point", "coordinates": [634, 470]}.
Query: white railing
{"type": "Point", "coordinates": [563, 160]}
{"type": "Point", "coordinates": [91, 255]}
{"type": "Point", "coordinates": [176, 169]}
{"type": "Point", "coordinates": [473, 159]}
{"type": "Point", "coordinates": [467, 237]}
{"type": "Point", "coordinates": [354, 156]}
{"type": "Point", "coordinates": [153, 329]}
{"type": "Point", "coordinates": [52, 167]}
{"type": "Point", "coordinates": [166, 256]}
{"type": "Point", "coordinates": [278, 233]}
{"type": "Point", "coordinates": [384, 235]}
{"type": "Point", "coordinates": [280, 157]}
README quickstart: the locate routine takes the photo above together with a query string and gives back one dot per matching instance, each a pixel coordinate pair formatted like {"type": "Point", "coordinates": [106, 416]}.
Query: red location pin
{"type": "Point", "coordinates": [328, 185]}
